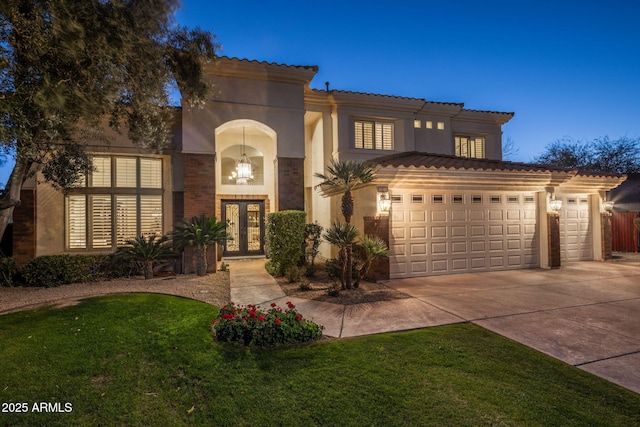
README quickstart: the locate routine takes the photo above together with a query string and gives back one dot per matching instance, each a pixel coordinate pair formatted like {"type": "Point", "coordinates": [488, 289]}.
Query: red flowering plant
{"type": "Point", "coordinates": [252, 326]}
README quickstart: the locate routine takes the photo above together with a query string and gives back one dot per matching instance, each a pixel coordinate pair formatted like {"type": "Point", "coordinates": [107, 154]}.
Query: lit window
{"type": "Point", "coordinates": [428, 124]}
{"type": "Point", "coordinates": [440, 125]}
{"type": "Point", "coordinates": [101, 217]}
{"type": "Point", "coordinates": [417, 124]}
{"type": "Point", "coordinates": [467, 146]}
{"type": "Point", "coordinates": [126, 172]}
{"type": "Point", "coordinates": [373, 135]}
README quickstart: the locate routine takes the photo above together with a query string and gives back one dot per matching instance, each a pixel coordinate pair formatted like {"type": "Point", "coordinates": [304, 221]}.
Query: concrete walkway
{"type": "Point", "coordinates": [585, 314]}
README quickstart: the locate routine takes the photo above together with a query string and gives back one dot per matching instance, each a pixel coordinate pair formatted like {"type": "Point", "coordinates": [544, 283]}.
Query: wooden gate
{"type": "Point", "coordinates": [625, 234]}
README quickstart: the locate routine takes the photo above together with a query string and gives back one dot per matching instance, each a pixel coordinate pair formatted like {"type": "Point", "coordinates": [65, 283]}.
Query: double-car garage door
{"type": "Point", "coordinates": [455, 232]}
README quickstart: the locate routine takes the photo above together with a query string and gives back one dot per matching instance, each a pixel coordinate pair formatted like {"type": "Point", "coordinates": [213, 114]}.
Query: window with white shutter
{"type": "Point", "coordinates": [371, 135]}
{"type": "Point", "coordinates": [101, 222]}
{"type": "Point", "coordinates": [101, 176]}
{"type": "Point", "coordinates": [150, 215]}
{"type": "Point", "coordinates": [77, 222]}
{"type": "Point", "coordinates": [123, 200]}
{"type": "Point", "coordinates": [126, 172]}
{"type": "Point", "coordinates": [126, 219]}
{"type": "Point", "coordinates": [150, 173]}
{"type": "Point", "coordinates": [472, 147]}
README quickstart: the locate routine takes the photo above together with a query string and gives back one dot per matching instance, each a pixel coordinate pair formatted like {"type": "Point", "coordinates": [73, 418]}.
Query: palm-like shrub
{"type": "Point", "coordinates": [368, 250]}
{"type": "Point", "coordinates": [346, 176]}
{"type": "Point", "coordinates": [343, 235]}
{"type": "Point", "coordinates": [200, 233]}
{"type": "Point", "coordinates": [146, 252]}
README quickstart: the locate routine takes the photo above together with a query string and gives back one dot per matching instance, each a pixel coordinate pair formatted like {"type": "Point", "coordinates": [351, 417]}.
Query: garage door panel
{"type": "Point", "coordinates": [478, 230]}
{"type": "Point", "coordinates": [439, 248]}
{"type": "Point", "coordinates": [478, 246]}
{"type": "Point", "coordinates": [417, 232]}
{"type": "Point", "coordinates": [496, 230]}
{"type": "Point", "coordinates": [439, 265]}
{"type": "Point", "coordinates": [418, 249]}
{"type": "Point", "coordinates": [495, 215]}
{"type": "Point", "coordinates": [417, 216]}
{"type": "Point", "coordinates": [575, 229]}
{"type": "Point", "coordinates": [476, 215]}
{"type": "Point", "coordinates": [458, 231]}
{"type": "Point", "coordinates": [419, 266]}
{"type": "Point", "coordinates": [458, 247]}
{"type": "Point", "coordinates": [458, 215]}
{"type": "Point", "coordinates": [471, 232]}
{"type": "Point", "coordinates": [459, 264]}
{"type": "Point", "coordinates": [397, 216]}
{"type": "Point", "coordinates": [438, 216]}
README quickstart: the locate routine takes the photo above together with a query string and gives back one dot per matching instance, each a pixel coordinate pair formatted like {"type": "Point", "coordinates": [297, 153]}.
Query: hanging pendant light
{"type": "Point", "coordinates": [244, 169]}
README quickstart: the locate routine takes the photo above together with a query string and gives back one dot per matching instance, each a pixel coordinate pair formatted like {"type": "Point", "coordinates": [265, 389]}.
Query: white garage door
{"type": "Point", "coordinates": [576, 243]}
{"type": "Point", "coordinates": [445, 232]}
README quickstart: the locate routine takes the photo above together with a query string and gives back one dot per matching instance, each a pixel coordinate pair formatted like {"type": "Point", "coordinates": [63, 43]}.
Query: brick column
{"type": "Point", "coordinates": [199, 195]}
{"type": "Point", "coordinates": [607, 236]}
{"type": "Point", "coordinates": [24, 228]}
{"type": "Point", "coordinates": [378, 226]}
{"type": "Point", "coordinates": [554, 240]}
{"type": "Point", "coordinates": [289, 183]}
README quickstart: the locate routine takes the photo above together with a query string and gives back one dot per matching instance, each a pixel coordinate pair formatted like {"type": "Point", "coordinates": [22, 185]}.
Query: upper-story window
{"type": "Point", "coordinates": [470, 146]}
{"type": "Point", "coordinates": [370, 135]}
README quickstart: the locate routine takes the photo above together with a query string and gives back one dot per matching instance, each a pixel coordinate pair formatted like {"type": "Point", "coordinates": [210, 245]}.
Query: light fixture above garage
{"type": "Point", "coordinates": [555, 205]}
{"type": "Point", "coordinates": [244, 170]}
{"type": "Point", "coordinates": [608, 205]}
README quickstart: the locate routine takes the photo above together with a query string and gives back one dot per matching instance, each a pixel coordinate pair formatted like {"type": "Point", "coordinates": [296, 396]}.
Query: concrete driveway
{"type": "Point", "coordinates": [586, 314]}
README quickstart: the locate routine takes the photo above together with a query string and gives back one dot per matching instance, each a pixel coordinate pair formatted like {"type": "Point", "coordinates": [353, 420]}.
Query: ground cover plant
{"type": "Point", "coordinates": [150, 360]}
{"type": "Point", "coordinates": [252, 325]}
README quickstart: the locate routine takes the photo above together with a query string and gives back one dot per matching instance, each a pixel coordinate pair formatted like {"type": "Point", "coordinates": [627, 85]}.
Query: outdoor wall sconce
{"type": "Point", "coordinates": [608, 205]}
{"type": "Point", "coordinates": [555, 205]}
{"type": "Point", "coordinates": [384, 202]}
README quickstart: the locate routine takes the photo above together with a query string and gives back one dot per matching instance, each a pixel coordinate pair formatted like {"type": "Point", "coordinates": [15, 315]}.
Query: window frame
{"type": "Point", "coordinates": [470, 146]}
{"type": "Point", "coordinates": [85, 191]}
{"type": "Point", "coordinates": [378, 133]}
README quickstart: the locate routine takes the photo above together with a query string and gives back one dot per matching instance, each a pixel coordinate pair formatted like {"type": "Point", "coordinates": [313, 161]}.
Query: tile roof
{"type": "Point", "coordinates": [438, 161]}
{"type": "Point", "coordinates": [276, 64]}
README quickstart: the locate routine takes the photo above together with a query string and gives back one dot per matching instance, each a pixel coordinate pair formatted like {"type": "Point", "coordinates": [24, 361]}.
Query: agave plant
{"type": "Point", "coordinates": [146, 251]}
{"type": "Point", "coordinates": [200, 233]}
{"type": "Point", "coordinates": [344, 236]}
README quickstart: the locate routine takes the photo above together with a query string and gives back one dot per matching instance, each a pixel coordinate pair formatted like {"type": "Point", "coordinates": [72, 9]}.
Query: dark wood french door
{"type": "Point", "coordinates": [245, 224]}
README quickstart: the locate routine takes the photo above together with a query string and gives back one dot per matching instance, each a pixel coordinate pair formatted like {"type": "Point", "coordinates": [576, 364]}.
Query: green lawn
{"type": "Point", "coordinates": [149, 360]}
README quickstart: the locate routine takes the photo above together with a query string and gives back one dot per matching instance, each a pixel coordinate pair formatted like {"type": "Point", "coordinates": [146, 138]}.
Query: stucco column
{"type": "Point", "coordinates": [597, 225]}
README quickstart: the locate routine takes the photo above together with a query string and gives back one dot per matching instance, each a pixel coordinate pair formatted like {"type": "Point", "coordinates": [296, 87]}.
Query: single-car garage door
{"type": "Point", "coordinates": [455, 232]}
{"type": "Point", "coordinates": [576, 243]}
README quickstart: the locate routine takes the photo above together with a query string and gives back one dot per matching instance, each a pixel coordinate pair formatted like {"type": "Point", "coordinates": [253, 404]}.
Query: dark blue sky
{"type": "Point", "coordinates": [566, 68]}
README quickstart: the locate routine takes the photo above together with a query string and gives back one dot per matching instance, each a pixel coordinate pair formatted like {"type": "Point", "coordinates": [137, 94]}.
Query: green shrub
{"type": "Point", "coordinates": [295, 274]}
{"type": "Point", "coordinates": [285, 237]}
{"type": "Point", "coordinates": [313, 238]}
{"type": "Point", "coordinates": [8, 271]}
{"type": "Point", "coordinates": [54, 270]}
{"type": "Point", "coordinates": [251, 326]}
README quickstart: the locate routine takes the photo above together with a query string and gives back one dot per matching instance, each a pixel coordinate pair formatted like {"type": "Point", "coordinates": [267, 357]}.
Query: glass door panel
{"type": "Point", "coordinates": [245, 224]}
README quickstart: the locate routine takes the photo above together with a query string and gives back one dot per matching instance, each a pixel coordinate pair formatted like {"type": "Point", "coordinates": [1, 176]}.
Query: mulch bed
{"type": "Point", "coordinates": [320, 284]}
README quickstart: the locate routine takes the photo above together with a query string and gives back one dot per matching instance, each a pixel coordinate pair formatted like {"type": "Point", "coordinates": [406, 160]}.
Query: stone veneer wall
{"type": "Point", "coordinates": [607, 236]}
{"type": "Point", "coordinates": [199, 197]}
{"type": "Point", "coordinates": [378, 226]}
{"type": "Point", "coordinates": [290, 183]}
{"type": "Point", "coordinates": [554, 240]}
{"type": "Point", "coordinates": [24, 228]}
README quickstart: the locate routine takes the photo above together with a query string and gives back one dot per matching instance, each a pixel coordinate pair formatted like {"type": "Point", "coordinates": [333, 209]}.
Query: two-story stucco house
{"type": "Point", "coordinates": [455, 206]}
